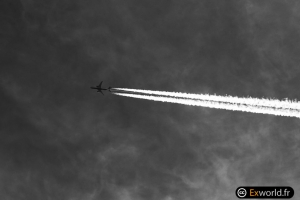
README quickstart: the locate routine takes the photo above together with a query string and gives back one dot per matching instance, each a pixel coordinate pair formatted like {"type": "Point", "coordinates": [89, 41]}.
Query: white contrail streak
{"type": "Point", "coordinates": [220, 105]}
{"type": "Point", "coordinates": [230, 99]}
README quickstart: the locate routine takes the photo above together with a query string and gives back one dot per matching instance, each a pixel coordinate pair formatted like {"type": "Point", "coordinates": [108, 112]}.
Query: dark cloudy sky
{"type": "Point", "coordinates": [61, 140]}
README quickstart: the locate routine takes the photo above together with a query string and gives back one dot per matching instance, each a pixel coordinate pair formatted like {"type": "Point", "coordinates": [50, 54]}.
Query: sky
{"type": "Point", "coordinates": [61, 140]}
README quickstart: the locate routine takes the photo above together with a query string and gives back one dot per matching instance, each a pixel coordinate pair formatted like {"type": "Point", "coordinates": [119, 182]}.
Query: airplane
{"type": "Point", "coordinates": [99, 88]}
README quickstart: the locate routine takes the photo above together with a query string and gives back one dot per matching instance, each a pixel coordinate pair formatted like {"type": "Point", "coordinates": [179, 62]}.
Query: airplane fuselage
{"type": "Point", "coordinates": [99, 88]}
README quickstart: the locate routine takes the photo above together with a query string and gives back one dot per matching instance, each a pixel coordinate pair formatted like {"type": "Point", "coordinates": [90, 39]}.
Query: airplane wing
{"type": "Point", "coordinates": [100, 84]}
{"type": "Point", "coordinates": [101, 92]}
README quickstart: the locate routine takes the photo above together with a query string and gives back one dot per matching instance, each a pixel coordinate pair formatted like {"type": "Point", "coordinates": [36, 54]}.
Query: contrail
{"type": "Point", "coordinates": [219, 104]}
{"type": "Point", "coordinates": [230, 99]}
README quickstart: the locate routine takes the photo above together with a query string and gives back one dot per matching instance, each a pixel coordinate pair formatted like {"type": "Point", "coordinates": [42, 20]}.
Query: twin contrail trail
{"type": "Point", "coordinates": [254, 105]}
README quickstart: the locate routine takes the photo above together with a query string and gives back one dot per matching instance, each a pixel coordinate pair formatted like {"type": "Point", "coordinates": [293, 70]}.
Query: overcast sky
{"type": "Point", "coordinates": [61, 140]}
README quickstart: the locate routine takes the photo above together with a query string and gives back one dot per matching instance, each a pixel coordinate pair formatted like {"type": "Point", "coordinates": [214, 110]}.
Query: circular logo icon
{"type": "Point", "coordinates": [241, 193]}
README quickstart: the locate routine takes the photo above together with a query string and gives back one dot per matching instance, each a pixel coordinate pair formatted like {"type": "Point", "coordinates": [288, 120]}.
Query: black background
{"type": "Point", "coordinates": [61, 140]}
